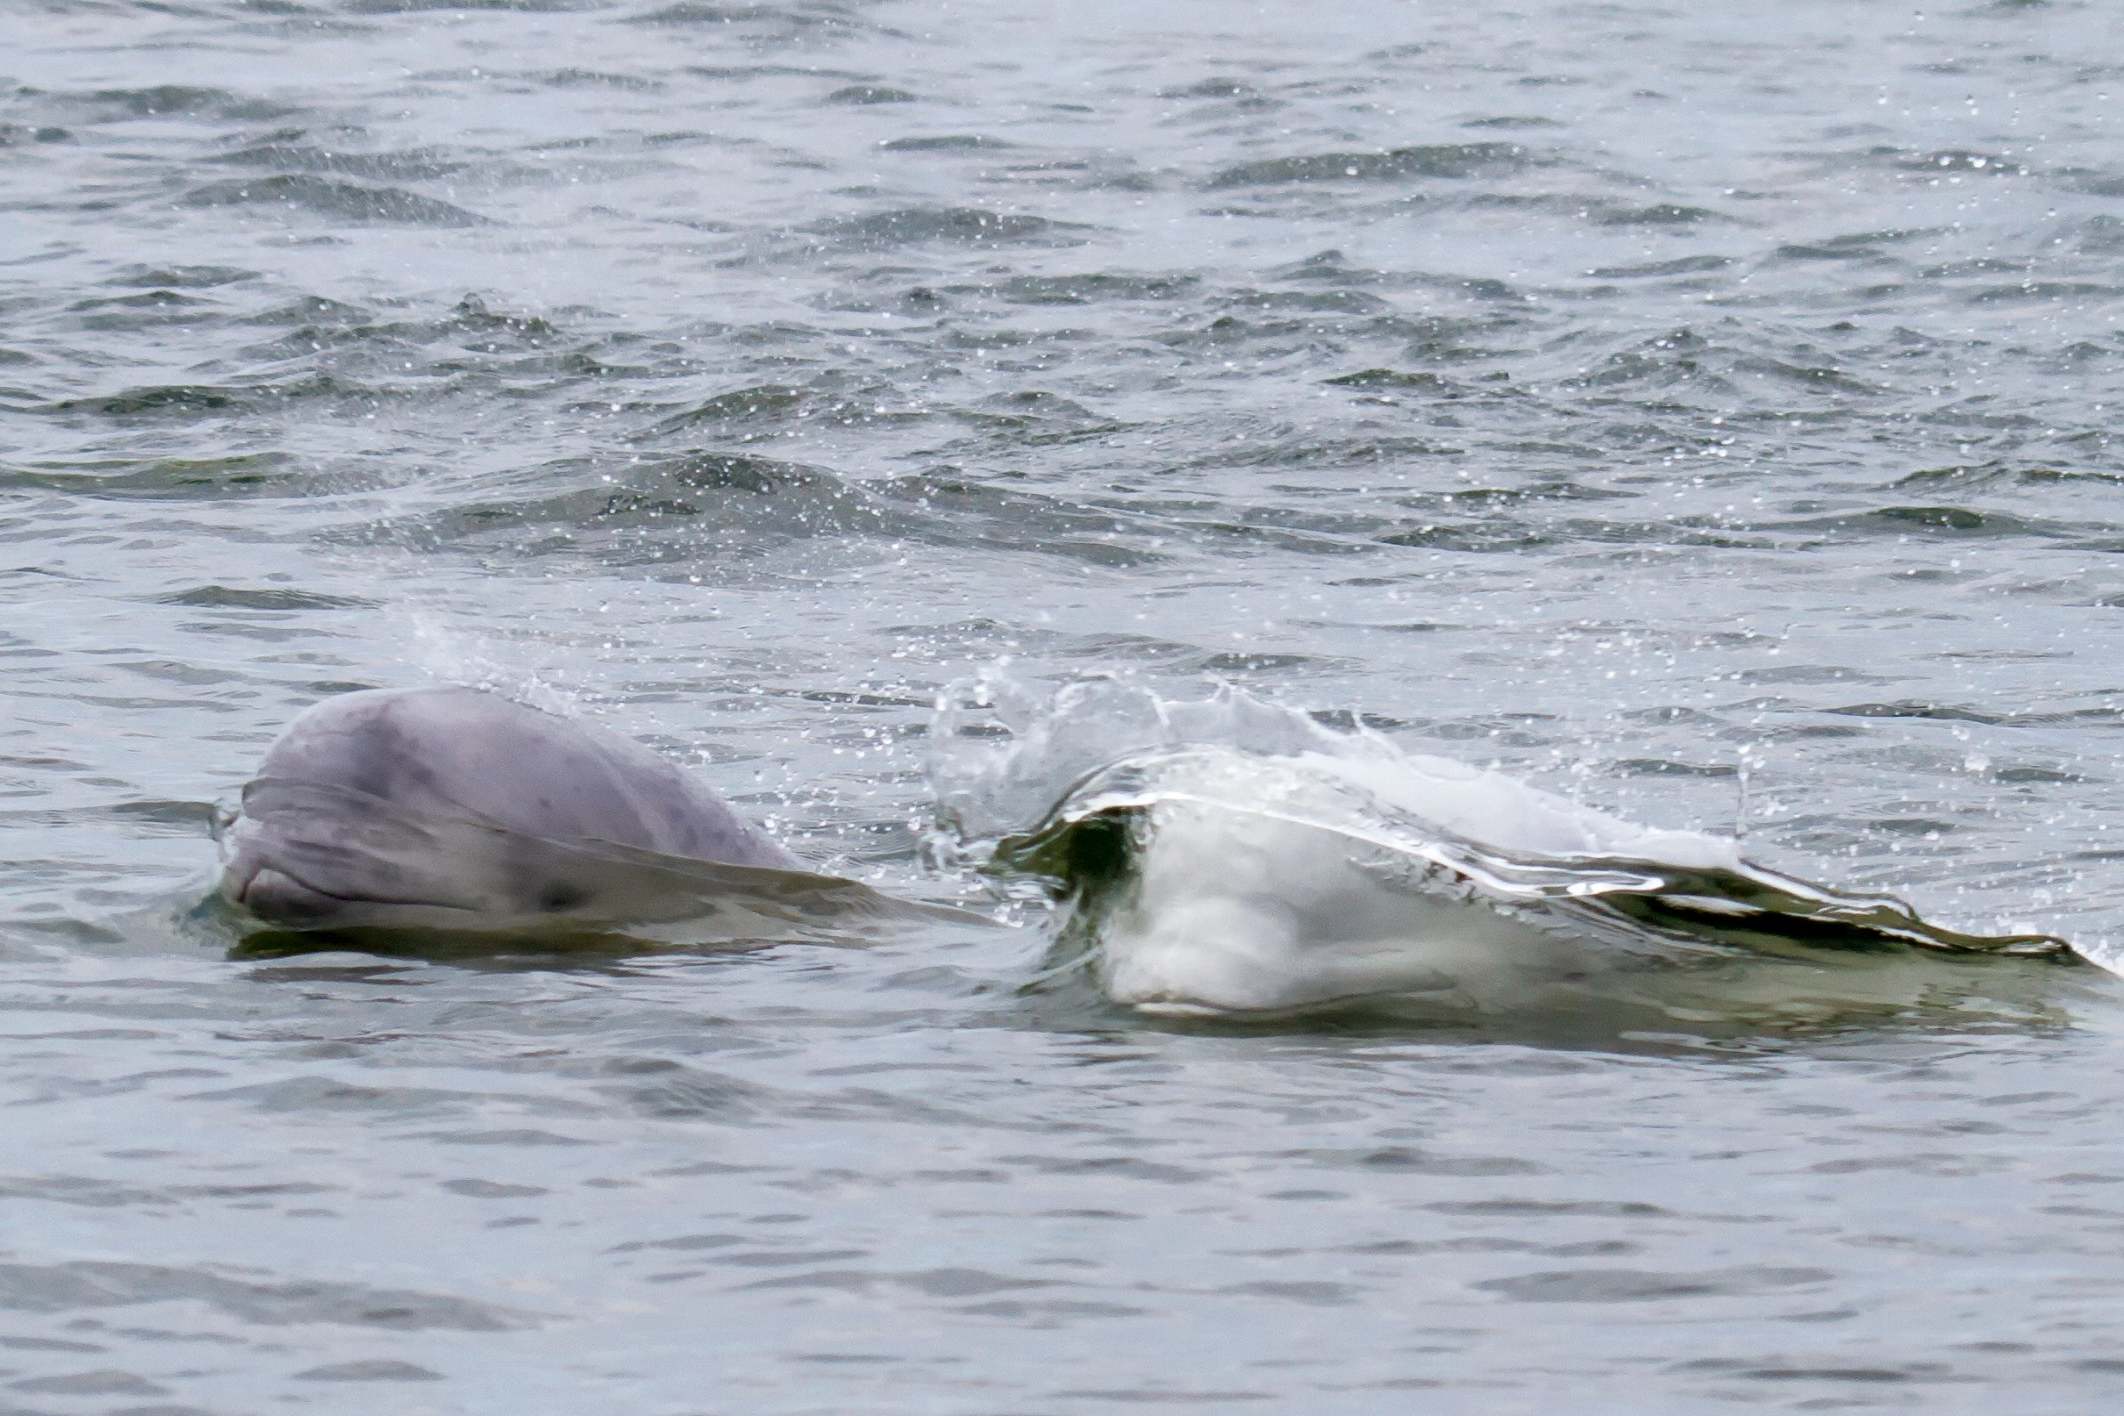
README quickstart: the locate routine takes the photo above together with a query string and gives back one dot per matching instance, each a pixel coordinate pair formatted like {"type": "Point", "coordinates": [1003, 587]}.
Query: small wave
{"type": "Point", "coordinates": [414, 7]}
{"type": "Point", "coordinates": [946, 142]}
{"type": "Point", "coordinates": [1816, 251]}
{"type": "Point", "coordinates": [344, 200]}
{"type": "Point", "coordinates": [1435, 160]}
{"type": "Point", "coordinates": [720, 505]}
{"type": "Point", "coordinates": [2100, 234]}
{"type": "Point", "coordinates": [1926, 520]}
{"type": "Point", "coordinates": [1482, 538]}
{"type": "Point", "coordinates": [230, 597]}
{"type": "Point", "coordinates": [2003, 474]}
{"type": "Point", "coordinates": [1213, 88]}
{"type": "Point", "coordinates": [2044, 292]}
{"type": "Point", "coordinates": [1308, 301]}
{"type": "Point", "coordinates": [787, 21]}
{"type": "Point", "coordinates": [1710, 366]}
{"type": "Point", "coordinates": [142, 309]}
{"type": "Point", "coordinates": [1392, 378]}
{"type": "Point", "coordinates": [1656, 214]}
{"type": "Point", "coordinates": [1510, 121]}
{"type": "Point", "coordinates": [863, 95]}
{"type": "Point", "coordinates": [18, 135]}
{"type": "Point", "coordinates": [181, 277]}
{"type": "Point", "coordinates": [312, 311]}
{"type": "Point", "coordinates": [1091, 288]}
{"type": "Point", "coordinates": [956, 226]}
{"type": "Point", "coordinates": [962, 511]}
{"type": "Point", "coordinates": [596, 78]}
{"type": "Point", "coordinates": [1858, 247]}
{"type": "Point", "coordinates": [761, 401]}
{"type": "Point", "coordinates": [175, 479]}
{"type": "Point", "coordinates": [286, 155]}
{"type": "Point", "coordinates": [171, 101]}
{"type": "Point", "coordinates": [172, 399]}
{"type": "Point", "coordinates": [1682, 265]}
{"type": "Point", "coordinates": [1957, 161]}
{"type": "Point", "coordinates": [95, 1286]}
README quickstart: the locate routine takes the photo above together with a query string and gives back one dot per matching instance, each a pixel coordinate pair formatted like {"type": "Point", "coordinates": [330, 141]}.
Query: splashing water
{"type": "Point", "coordinates": [1227, 855]}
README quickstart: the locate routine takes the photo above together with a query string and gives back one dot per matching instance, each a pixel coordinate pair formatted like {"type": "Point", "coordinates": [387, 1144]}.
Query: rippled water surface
{"type": "Point", "coordinates": [1704, 412]}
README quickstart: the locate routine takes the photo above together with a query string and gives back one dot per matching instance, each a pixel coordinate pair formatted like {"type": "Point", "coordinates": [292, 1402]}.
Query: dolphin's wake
{"type": "Point", "coordinates": [1305, 868]}
{"type": "Point", "coordinates": [1208, 880]}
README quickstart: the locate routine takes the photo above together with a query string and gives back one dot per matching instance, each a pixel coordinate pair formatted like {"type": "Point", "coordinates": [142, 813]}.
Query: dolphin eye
{"type": "Point", "coordinates": [561, 896]}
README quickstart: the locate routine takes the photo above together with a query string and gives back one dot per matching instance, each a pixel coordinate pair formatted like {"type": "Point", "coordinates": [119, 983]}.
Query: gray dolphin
{"type": "Point", "coordinates": [459, 809]}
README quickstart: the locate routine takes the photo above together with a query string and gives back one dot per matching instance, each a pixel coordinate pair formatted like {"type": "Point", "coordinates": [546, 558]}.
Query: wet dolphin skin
{"type": "Point", "coordinates": [448, 805]}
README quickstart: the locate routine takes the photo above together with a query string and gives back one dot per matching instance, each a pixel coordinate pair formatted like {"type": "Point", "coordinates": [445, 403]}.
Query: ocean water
{"type": "Point", "coordinates": [1703, 414]}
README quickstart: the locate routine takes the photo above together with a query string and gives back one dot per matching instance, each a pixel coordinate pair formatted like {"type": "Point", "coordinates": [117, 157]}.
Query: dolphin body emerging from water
{"type": "Point", "coordinates": [455, 809]}
{"type": "Point", "coordinates": [1197, 880]}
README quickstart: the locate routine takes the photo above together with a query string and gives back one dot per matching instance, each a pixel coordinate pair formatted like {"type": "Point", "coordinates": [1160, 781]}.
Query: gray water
{"type": "Point", "coordinates": [1704, 412]}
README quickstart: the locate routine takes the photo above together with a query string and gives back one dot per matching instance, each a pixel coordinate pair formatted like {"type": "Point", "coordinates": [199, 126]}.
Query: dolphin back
{"type": "Point", "coordinates": [461, 752]}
